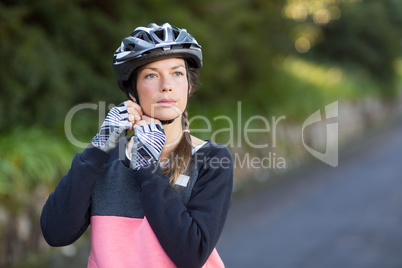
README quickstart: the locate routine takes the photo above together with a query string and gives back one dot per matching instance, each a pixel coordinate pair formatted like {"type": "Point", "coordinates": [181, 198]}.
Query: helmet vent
{"type": "Point", "coordinates": [129, 47]}
{"type": "Point", "coordinates": [147, 44]}
{"type": "Point", "coordinates": [176, 34]}
{"type": "Point", "coordinates": [144, 36]}
{"type": "Point", "coordinates": [160, 34]}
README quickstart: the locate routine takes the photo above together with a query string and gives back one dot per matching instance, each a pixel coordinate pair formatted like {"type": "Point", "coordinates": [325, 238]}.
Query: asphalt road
{"type": "Point", "coordinates": [324, 217]}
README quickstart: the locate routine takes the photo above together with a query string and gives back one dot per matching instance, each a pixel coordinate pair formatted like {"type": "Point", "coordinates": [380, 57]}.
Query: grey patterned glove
{"type": "Point", "coordinates": [113, 128]}
{"type": "Point", "coordinates": [147, 146]}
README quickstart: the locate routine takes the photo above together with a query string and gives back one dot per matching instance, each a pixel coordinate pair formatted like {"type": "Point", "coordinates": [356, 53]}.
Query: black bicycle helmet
{"type": "Point", "coordinates": [148, 44]}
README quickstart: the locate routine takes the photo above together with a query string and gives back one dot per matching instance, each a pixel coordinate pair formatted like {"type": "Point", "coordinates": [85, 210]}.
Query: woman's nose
{"type": "Point", "coordinates": [166, 84]}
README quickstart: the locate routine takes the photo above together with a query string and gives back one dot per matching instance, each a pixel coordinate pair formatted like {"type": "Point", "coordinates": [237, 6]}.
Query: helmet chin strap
{"type": "Point", "coordinates": [167, 122]}
{"type": "Point", "coordinates": [137, 100]}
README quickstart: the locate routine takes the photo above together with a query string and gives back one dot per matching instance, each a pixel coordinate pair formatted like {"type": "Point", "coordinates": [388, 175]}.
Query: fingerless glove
{"type": "Point", "coordinates": [148, 145]}
{"type": "Point", "coordinates": [113, 128]}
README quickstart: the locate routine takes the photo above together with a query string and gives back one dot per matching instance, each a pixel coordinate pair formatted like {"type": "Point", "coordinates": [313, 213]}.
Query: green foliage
{"type": "Point", "coordinates": [53, 56]}
{"type": "Point", "coordinates": [300, 87]}
{"type": "Point", "coordinates": [56, 54]}
{"type": "Point", "coordinates": [31, 162]}
{"type": "Point", "coordinates": [367, 36]}
{"type": "Point", "coordinates": [30, 158]}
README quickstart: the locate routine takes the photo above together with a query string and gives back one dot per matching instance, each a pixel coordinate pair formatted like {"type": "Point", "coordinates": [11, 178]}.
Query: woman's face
{"type": "Point", "coordinates": [162, 88]}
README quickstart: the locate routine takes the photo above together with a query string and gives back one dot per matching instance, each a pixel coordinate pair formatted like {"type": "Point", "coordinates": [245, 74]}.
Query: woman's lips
{"type": "Point", "coordinates": [167, 101]}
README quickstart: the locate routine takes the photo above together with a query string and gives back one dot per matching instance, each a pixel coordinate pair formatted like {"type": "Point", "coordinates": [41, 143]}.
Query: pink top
{"type": "Point", "coordinates": [120, 242]}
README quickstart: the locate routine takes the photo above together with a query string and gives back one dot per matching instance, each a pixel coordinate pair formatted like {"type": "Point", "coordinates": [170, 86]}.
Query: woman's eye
{"type": "Point", "coordinates": [150, 76]}
{"type": "Point", "coordinates": [178, 73]}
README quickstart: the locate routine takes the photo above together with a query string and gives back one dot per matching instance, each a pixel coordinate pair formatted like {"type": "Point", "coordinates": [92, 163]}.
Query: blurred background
{"type": "Point", "coordinates": [269, 58]}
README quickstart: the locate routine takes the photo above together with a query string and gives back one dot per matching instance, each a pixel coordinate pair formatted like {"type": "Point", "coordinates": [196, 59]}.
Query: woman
{"type": "Point", "coordinates": [156, 199]}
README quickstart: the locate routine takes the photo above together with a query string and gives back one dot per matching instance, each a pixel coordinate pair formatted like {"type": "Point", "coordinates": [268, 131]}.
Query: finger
{"type": "Point", "coordinates": [135, 115]}
{"type": "Point", "coordinates": [132, 110]}
{"type": "Point", "coordinates": [130, 104]}
{"type": "Point", "coordinates": [132, 126]}
{"type": "Point", "coordinates": [132, 99]}
{"type": "Point", "coordinates": [134, 118]}
{"type": "Point", "coordinates": [140, 123]}
{"type": "Point", "coordinates": [146, 118]}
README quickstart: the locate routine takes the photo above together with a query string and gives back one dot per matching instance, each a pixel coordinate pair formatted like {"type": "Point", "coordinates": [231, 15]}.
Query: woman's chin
{"type": "Point", "coordinates": [167, 114]}
{"type": "Point", "coordinates": [167, 118]}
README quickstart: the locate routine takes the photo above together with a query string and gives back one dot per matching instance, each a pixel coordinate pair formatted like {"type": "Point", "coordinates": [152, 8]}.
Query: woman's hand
{"type": "Point", "coordinates": [134, 113]}
{"type": "Point", "coordinates": [113, 128]}
{"type": "Point", "coordinates": [119, 120]}
{"type": "Point", "coordinates": [144, 120]}
{"type": "Point", "coordinates": [147, 144]}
